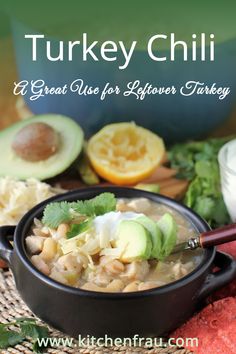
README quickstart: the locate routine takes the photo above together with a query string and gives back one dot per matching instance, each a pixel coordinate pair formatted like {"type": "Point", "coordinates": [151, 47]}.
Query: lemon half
{"type": "Point", "coordinates": [124, 153]}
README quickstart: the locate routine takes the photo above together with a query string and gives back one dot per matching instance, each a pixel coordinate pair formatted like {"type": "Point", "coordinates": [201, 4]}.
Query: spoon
{"type": "Point", "coordinates": [209, 238]}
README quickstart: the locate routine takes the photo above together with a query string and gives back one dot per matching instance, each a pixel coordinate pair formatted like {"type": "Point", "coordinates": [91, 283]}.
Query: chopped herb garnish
{"type": "Point", "coordinates": [26, 328]}
{"type": "Point", "coordinates": [59, 212]}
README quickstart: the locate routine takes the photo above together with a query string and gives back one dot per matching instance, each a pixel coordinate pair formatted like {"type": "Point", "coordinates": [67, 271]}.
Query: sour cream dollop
{"type": "Point", "coordinates": [106, 225]}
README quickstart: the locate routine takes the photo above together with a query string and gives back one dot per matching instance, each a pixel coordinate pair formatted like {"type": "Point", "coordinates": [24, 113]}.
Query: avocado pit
{"type": "Point", "coordinates": [36, 142]}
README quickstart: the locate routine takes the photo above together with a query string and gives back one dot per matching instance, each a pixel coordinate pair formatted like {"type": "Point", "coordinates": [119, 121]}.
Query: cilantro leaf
{"type": "Point", "coordinates": [9, 338]}
{"type": "Point", "coordinates": [104, 203]}
{"type": "Point", "coordinates": [101, 204]}
{"type": "Point", "coordinates": [56, 213]}
{"type": "Point", "coordinates": [83, 207]}
{"type": "Point", "coordinates": [27, 328]}
{"type": "Point", "coordinates": [205, 206]}
{"type": "Point", "coordinates": [25, 319]}
{"type": "Point", "coordinates": [33, 331]}
{"type": "Point", "coordinates": [77, 229]}
{"type": "Point", "coordinates": [197, 162]}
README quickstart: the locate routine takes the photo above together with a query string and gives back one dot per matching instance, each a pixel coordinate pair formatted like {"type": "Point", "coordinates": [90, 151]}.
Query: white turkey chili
{"type": "Point", "coordinates": [111, 245]}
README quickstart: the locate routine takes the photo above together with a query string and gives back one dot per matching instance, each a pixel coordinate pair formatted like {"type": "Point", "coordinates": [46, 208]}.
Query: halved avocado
{"type": "Point", "coordinates": [70, 143]}
{"type": "Point", "coordinates": [134, 240]}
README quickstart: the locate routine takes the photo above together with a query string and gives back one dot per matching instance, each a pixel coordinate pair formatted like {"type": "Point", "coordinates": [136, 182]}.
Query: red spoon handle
{"type": "Point", "coordinates": [218, 236]}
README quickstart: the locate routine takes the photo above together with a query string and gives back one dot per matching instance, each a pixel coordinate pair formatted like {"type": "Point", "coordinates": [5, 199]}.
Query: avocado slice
{"type": "Point", "coordinates": [156, 235]}
{"type": "Point", "coordinates": [168, 227]}
{"type": "Point", "coordinates": [134, 241]}
{"type": "Point", "coordinates": [70, 145]}
{"type": "Point", "coordinates": [149, 187]}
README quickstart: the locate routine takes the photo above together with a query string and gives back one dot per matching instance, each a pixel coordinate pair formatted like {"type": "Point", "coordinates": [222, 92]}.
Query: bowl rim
{"type": "Point", "coordinates": [120, 192]}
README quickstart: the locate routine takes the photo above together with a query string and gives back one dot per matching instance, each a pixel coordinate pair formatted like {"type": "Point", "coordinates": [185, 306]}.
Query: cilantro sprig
{"type": "Point", "coordinates": [57, 213]}
{"type": "Point", "coordinates": [60, 212]}
{"type": "Point", "coordinates": [197, 162]}
{"type": "Point", "coordinates": [25, 328]}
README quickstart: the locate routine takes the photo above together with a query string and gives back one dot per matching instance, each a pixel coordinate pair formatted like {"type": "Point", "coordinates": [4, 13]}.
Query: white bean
{"type": "Point", "coordinates": [62, 230]}
{"type": "Point", "coordinates": [56, 275]}
{"type": "Point", "coordinates": [114, 267]}
{"type": "Point", "coordinates": [44, 232]}
{"type": "Point", "coordinates": [49, 249]}
{"type": "Point", "coordinates": [92, 287]}
{"type": "Point", "coordinates": [34, 243]}
{"type": "Point", "coordinates": [39, 263]}
{"type": "Point", "coordinates": [131, 287]}
{"type": "Point", "coordinates": [136, 271]}
{"type": "Point", "coordinates": [115, 286]}
{"type": "Point", "coordinates": [150, 285]}
{"type": "Point", "coordinates": [69, 262]}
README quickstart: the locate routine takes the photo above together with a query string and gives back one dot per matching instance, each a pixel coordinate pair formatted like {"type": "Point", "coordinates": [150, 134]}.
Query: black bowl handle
{"type": "Point", "coordinates": [6, 235]}
{"type": "Point", "coordinates": [216, 280]}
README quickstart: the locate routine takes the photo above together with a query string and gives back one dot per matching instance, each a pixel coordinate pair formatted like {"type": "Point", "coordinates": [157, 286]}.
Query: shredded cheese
{"type": "Point", "coordinates": [18, 197]}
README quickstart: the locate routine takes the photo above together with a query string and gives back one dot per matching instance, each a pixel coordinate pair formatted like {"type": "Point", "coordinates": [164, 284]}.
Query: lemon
{"type": "Point", "coordinates": [124, 153]}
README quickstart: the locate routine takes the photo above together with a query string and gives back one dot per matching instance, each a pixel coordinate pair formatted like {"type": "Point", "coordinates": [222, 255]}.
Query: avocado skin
{"type": "Point", "coordinates": [71, 142]}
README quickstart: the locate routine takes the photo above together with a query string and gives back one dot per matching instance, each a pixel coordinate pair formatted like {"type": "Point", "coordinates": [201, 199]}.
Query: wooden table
{"type": "Point", "coordinates": [8, 74]}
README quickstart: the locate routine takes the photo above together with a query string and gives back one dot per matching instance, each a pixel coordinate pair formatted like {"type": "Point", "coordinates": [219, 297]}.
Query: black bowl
{"type": "Point", "coordinates": [147, 313]}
